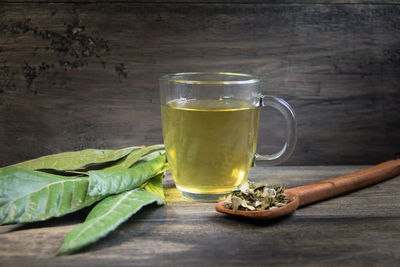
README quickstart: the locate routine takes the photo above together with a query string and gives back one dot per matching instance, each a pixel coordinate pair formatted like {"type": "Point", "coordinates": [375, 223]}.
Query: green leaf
{"type": "Point", "coordinates": [105, 217]}
{"type": "Point", "coordinates": [155, 186]}
{"type": "Point", "coordinates": [150, 157]}
{"type": "Point", "coordinates": [77, 160]}
{"type": "Point", "coordinates": [107, 182]}
{"type": "Point", "coordinates": [27, 196]}
{"type": "Point", "coordinates": [135, 156]}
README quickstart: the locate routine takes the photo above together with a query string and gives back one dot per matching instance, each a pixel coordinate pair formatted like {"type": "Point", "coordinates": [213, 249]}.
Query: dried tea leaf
{"type": "Point", "coordinates": [244, 187]}
{"type": "Point", "coordinates": [258, 203]}
{"type": "Point", "coordinates": [255, 196]}
{"type": "Point", "coordinates": [247, 205]}
{"type": "Point", "coordinates": [236, 202]}
{"type": "Point", "coordinates": [258, 185]}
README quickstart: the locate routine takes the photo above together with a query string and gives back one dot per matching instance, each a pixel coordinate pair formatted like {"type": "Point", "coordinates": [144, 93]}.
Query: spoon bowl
{"type": "Point", "coordinates": [307, 194]}
{"type": "Point", "coordinates": [263, 214]}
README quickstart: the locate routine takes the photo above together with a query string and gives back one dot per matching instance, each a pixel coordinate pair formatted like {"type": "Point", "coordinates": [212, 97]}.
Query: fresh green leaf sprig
{"type": "Point", "coordinates": [121, 181]}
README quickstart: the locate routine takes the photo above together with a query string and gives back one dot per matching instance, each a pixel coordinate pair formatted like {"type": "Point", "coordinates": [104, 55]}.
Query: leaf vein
{"type": "Point", "coordinates": [41, 188]}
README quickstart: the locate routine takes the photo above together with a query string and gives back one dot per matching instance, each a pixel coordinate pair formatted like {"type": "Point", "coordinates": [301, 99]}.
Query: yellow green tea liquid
{"type": "Point", "coordinates": [210, 144]}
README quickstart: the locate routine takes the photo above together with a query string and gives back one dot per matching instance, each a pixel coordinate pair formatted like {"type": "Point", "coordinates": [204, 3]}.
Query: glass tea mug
{"type": "Point", "coordinates": [210, 124]}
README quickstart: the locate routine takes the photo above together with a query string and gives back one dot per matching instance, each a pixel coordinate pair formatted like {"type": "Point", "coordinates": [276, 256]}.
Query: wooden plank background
{"type": "Point", "coordinates": [83, 74]}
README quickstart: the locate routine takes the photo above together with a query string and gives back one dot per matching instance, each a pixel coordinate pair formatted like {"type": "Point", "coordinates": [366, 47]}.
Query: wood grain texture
{"type": "Point", "coordinates": [81, 75]}
{"type": "Point", "coordinates": [361, 228]}
{"type": "Point", "coordinates": [352, 2]}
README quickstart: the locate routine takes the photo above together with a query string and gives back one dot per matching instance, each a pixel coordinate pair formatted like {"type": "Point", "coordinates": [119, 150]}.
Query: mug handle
{"type": "Point", "coordinates": [286, 110]}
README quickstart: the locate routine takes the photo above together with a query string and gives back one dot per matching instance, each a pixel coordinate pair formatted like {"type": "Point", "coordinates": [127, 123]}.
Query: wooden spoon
{"type": "Point", "coordinates": [307, 194]}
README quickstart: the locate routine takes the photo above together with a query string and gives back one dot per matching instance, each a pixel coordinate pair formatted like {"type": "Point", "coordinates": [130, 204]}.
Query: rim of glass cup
{"type": "Point", "coordinates": [251, 78]}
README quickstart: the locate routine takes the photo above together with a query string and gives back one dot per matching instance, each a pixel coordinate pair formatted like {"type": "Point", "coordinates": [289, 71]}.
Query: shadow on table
{"type": "Point", "coordinates": [233, 219]}
{"type": "Point", "coordinates": [142, 223]}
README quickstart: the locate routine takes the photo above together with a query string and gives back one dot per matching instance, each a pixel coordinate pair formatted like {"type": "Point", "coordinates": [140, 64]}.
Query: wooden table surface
{"type": "Point", "coordinates": [361, 228]}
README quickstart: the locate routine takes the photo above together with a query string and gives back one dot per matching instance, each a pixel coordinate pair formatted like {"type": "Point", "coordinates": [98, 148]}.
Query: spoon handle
{"type": "Point", "coordinates": [347, 183]}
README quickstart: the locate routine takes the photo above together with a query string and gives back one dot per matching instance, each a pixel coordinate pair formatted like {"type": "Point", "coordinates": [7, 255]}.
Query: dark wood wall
{"type": "Point", "coordinates": [83, 74]}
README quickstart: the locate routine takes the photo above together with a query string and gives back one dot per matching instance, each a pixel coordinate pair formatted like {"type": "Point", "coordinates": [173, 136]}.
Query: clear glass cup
{"type": "Point", "coordinates": [210, 124]}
